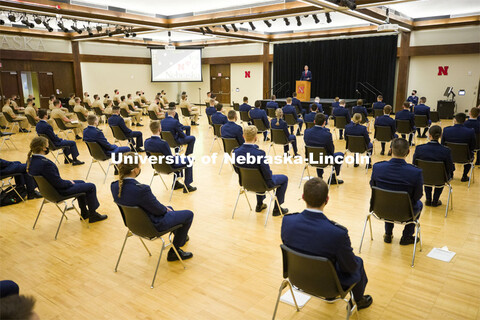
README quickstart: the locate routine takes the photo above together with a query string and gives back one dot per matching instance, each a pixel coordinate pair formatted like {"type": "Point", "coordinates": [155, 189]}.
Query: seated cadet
{"type": "Point", "coordinates": [341, 111]}
{"type": "Point", "coordinates": [71, 100]}
{"type": "Point", "coordinates": [272, 104]}
{"type": "Point", "coordinates": [97, 104]}
{"type": "Point", "coordinates": [359, 108]}
{"type": "Point", "coordinates": [106, 97]}
{"type": "Point", "coordinates": [336, 103]}
{"type": "Point", "coordinates": [210, 110]}
{"type": "Point", "coordinates": [8, 108]}
{"type": "Point", "coordinates": [137, 115]}
{"type": "Point", "coordinates": [250, 148]}
{"type": "Point", "coordinates": [297, 104]}
{"type": "Point", "coordinates": [398, 175]}
{"type": "Point", "coordinates": [413, 99]}
{"type": "Point", "coordinates": [155, 144]}
{"type": "Point", "coordinates": [138, 99]}
{"type": "Point", "coordinates": [44, 128]}
{"type": "Point", "coordinates": [155, 107]}
{"type": "Point", "coordinates": [355, 128]}
{"type": "Point", "coordinates": [423, 110]}
{"type": "Point", "coordinates": [109, 110]}
{"type": "Point", "coordinates": [290, 109]}
{"type": "Point", "coordinates": [175, 127]}
{"type": "Point", "coordinates": [209, 96]}
{"type": "Point", "coordinates": [218, 117]}
{"type": "Point", "coordinates": [116, 120]}
{"type": "Point", "coordinates": [279, 123]}
{"type": "Point", "coordinates": [24, 182]}
{"type": "Point", "coordinates": [434, 151]}
{"type": "Point", "coordinates": [79, 108]}
{"type": "Point", "coordinates": [57, 113]}
{"type": "Point", "coordinates": [258, 113]}
{"type": "Point", "coordinates": [310, 117]}
{"type": "Point", "coordinates": [473, 122]}
{"type": "Point", "coordinates": [231, 129]}
{"type": "Point", "coordinates": [93, 134]}
{"type": "Point", "coordinates": [86, 99]}
{"type": "Point", "coordinates": [116, 96]}
{"type": "Point", "coordinates": [318, 104]}
{"type": "Point", "coordinates": [143, 98]}
{"type": "Point", "coordinates": [129, 192]}
{"type": "Point", "coordinates": [244, 106]}
{"type": "Point", "coordinates": [50, 101]}
{"type": "Point", "coordinates": [387, 121]}
{"type": "Point", "coordinates": [311, 232]}
{"type": "Point", "coordinates": [184, 104]}
{"type": "Point", "coordinates": [9, 288]}
{"type": "Point", "coordinates": [379, 104]}
{"type": "Point", "coordinates": [319, 136]}
{"type": "Point", "coordinates": [459, 133]}
{"type": "Point", "coordinates": [405, 114]}
{"type": "Point", "coordinates": [39, 165]}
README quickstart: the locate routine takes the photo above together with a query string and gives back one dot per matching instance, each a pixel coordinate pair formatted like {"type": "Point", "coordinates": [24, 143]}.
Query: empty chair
{"type": "Point", "coordinates": [382, 134]}
{"type": "Point", "coordinates": [261, 128]}
{"type": "Point", "coordinates": [339, 123]}
{"type": "Point", "coordinates": [6, 137]}
{"type": "Point", "coordinates": [244, 117]}
{"type": "Point", "coordinates": [404, 127]}
{"type": "Point", "coordinates": [320, 159]}
{"type": "Point", "coordinates": [357, 144]}
{"type": "Point", "coordinates": [140, 225]}
{"type": "Point", "coordinates": [229, 144]}
{"type": "Point", "coordinates": [434, 116]}
{"type": "Point", "coordinates": [98, 156]}
{"type": "Point", "coordinates": [63, 127]}
{"type": "Point", "coordinates": [394, 207]}
{"type": "Point", "coordinates": [461, 155]}
{"type": "Point", "coordinates": [217, 135]}
{"type": "Point", "coordinates": [52, 148]}
{"type": "Point", "coordinates": [314, 275]}
{"type": "Point", "coordinates": [167, 169]}
{"type": "Point", "coordinates": [421, 121]}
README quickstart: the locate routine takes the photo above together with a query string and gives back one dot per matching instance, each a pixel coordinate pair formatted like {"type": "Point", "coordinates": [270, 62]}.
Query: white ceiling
{"type": "Point", "coordinates": [434, 8]}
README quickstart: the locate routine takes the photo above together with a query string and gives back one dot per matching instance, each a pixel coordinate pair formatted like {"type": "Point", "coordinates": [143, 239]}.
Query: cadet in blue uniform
{"type": "Point", "coordinates": [290, 109]}
{"type": "Point", "coordinates": [39, 165]}
{"type": "Point", "coordinates": [249, 147]}
{"type": "Point", "coordinates": [356, 129]}
{"type": "Point", "coordinates": [272, 104]}
{"type": "Point", "coordinates": [210, 110]}
{"type": "Point", "coordinates": [319, 136]}
{"type": "Point", "coordinates": [257, 113]}
{"type": "Point", "coordinates": [387, 121]}
{"type": "Point", "coordinates": [175, 127]}
{"type": "Point", "coordinates": [473, 122]}
{"type": "Point", "coordinates": [458, 133]}
{"type": "Point", "coordinates": [22, 182]}
{"type": "Point", "coordinates": [434, 151]}
{"type": "Point", "coordinates": [279, 123]}
{"type": "Point", "coordinates": [423, 110]}
{"type": "Point", "coordinates": [405, 114]}
{"type": "Point", "coordinates": [379, 104]}
{"type": "Point", "coordinates": [336, 103]}
{"type": "Point", "coordinates": [306, 74]}
{"type": "Point", "coordinates": [297, 103]}
{"type": "Point", "coordinates": [413, 99]}
{"type": "Point", "coordinates": [359, 108]}
{"type": "Point", "coordinates": [43, 127]}
{"type": "Point", "coordinates": [218, 117]}
{"type": "Point", "coordinates": [231, 129]}
{"type": "Point", "coordinates": [310, 117]}
{"type": "Point", "coordinates": [245, 106]}
{"type": "Point", "coordinates": [116, 120]}
{"type": "Point", "coordinates": [341, 111]}
{"type": "Point", "coordinates": [311, 232]}
{"type": "Point", "coordinates": [129, 192]}
{"type": "Point", "coordinates": [318, 104]}
{"type": "Point", "coordinates": [398, 175]}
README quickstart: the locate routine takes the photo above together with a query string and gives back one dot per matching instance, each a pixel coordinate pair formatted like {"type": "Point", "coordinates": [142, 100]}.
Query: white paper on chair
{"type": "Point", "coordinates": [442, 254]}
{"type": "Point", "coordinates": [74, 121]}
{"type": "Point", "coordinates": [307, 178]}
{"type": "Point", "coordinates": [302, 298]}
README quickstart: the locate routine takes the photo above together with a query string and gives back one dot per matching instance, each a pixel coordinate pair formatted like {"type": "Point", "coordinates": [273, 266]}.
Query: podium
{"type": "Point", "coordinates": [302, 89]}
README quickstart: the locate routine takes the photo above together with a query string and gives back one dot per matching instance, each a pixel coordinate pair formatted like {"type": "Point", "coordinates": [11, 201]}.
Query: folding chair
{"type": "Point", "coordinates": [217, 135]}
{"type": "Point", "coordinates": [52, 147]}
{"type": "Point", "coordinates": [9, 183]}
{"type": "Point", "coordinates": [98, 155]}
{"type": "Point", "coordinates": [167, 169]}
{"type": "Point", "coordinates": [382, 134]}
{"type": "Point", "coordinates": [63, 127]}
{"type": "Point", "coordinates": [261, 128]}
{"type": "Point", "coordinates": [339, 123]}
{"type": "Point", "coordinates": [404, 127]}
{"type": "Point", "coordinates": [357, 144]}
{"type": "Point", "coordinates": [290, 120]}
{"type": "Point", "coordinates": [229, 144]}
{"type": "Point", "coordinates": [119, 135]}
{"type": "Point", "coordinates": [421, 121]}
{"type": "Point", "coordinates": [244, 117]}
{"type": "Point", "coordinates": [377, 113]}
{"type": "Point", "coordinates": [168, 136]}
{"type": "Point", "coordinates": [461, 155]}
{"type": "Point", "coordinates": [320, 161]}
{"type": "Point", "coordinates": [13, 122]}
{"type": "Point", "coordinates": [278, 137]}
{"type": "Point", "coordinates": [6, 137]}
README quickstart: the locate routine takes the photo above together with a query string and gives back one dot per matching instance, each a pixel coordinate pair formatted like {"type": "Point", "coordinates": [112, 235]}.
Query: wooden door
{"type": "Point", "coordinates": [220, 82]}
{"type": "Point", "coordinates": [11, 86]}
{"type": "Point", "coordinates": [46, 88]}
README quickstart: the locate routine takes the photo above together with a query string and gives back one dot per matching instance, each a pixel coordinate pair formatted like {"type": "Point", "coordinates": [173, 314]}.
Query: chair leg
{"type": "Point", "coordinates": [60, 223]}
{"type": "Point", "coordinates": [173, 187]}
{"type": "Point", "coordinates": [38, 215]}
{"type": "Point", "coordinates": [213, 142]}
{"type": "Point", "coordinates": [80, 215]}
{"type": "Point", "coordinates": [236, 202]}
{"type": "Point", "coordinates": [472, 175]}
{"type": "Point", "coordinates": [271, 144]}
{"type": "Point", "coordinates": [301, 178]}
{"type": "Point", "coordinates": [221, 164]}
{"type": "Point", "coordinates": [248, 201]}
{"type": "Point", "coordinates": [158, 263]}
{"type": "Point", "coordinates": [146, 248]}
{"type": "Point", "coordinates": [106, 172]}
{"type": "Point", "coordinates": [129, 234]}
{"type": "Point", "coordinates": [363, 233]}
{"type": "Point", "coordinates": [176, 252]}
{"type": "Point", "coordinates": [352, 306]}
{"type": "Point", "coordinates": [15, 189]}
{"type": "Point", "coordinates": [269, 207]}
{"type": "Point", "coordinates": [151, 180]}
{"type": "Point", "coordinates": [449, 202]}
{"type": "Point", "coordinates": [282, 286]}
{"type": "Point", "coordinates": [88, 172]}
{"type": "Point", "coordinates": [417, 230]}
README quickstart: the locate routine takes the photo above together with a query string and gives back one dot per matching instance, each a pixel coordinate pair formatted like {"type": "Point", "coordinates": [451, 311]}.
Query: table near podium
{"type": "Point", "coordinates": [303, 90]}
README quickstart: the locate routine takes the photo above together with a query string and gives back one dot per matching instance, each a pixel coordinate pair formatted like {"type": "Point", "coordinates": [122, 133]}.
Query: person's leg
{"type": "Point", "coordinates": [418, 132]}
{"type": "Point", "coordinates": [341, 133]}
{"type": "Point", "coordinates": [403, 136]}
{"type": "Point", "coordinates": [436, 195]}
{"type": "Point", "coordinates": [23, 122]}
{"type": "Point", "coordinates": [388, 228]}
{"type": "Point", "coordinates": [300, 124]}
{"type": "Point", "coordinates": [409, 229]}
{"type": "Point", "coordinates": [90, 194]}
{"type": "Point", "coordinates": [291, 129]}
{"type": "Point", "coordinates": [477, 163]}
{"type": "Point", "coordinates": [285, 149]}
{"type": "Point", "coordinates": [359, 289]}
{"type": "Point", "coordinates": [190, 142]}
{"type": "Point", "coordinates": [180, 162]}
{"type": "Point", "coordinates": [187, 130]}
{"type": "Point", "coordinates": [138, 138]}
{"type": "Point", "coordinates": [173, 218]}
{"type": "Point", "coordinates": [265, 134]}
{"type": "Point", "coordinates": [320, 173]}
{"type": "Point", "coordinates": [428, 195]}
{"type": "Point", "coordinates": [293, 139]}
{"type": "Point", "coordinates": [260, 199]}
{"type": "Point", "coordinates": [383, 147]}
{"type": "Point", "coordinates": [466, 170]}
{"type": "Point", "coordinates": [425, 132]}
{"type": "Point", "coordinates": [66, 151]}
{"type": "Point", "coordinates": [282, 180]}
{"type": "Point", "coordinates": [338, 166]}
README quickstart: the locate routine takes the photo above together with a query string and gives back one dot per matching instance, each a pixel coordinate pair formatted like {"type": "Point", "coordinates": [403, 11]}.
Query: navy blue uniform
{"type": "Point", "coordinates": [298, 105]}
{"type": "Point", "coordinates": [434, 151]}
{"type": "Point", "coordinates": [398, 175]}
{"type": "Point", "coordinates": [233, 130]}
{"type": "Point", "coordinates": [458, 133]}
{"type": "Point", "coordinates": [341, 112]}
{"type": "Point", "coordinates": [116, 120]}
{"type": "Point", "coordinates": [135, 194]}
{"type": "Point", "coordinates": [93, 134]}
{"type": "Point", "coordinates": [386, 121]}
{"type": "Point", "coordinates": [379, 105]}
{"type": "Point", "coordinates": [210, 111]}
{"type": "Point", "coordinates": [41, 166]}
{"type": "Point", "coordinates": [319, 107]}
{"type": "Point", "coordinates": [310, 117]}
{"type": "Point", "coordinates": [407, 115]}
{"type": "Point", "coordinates": [423, 110]}
{"type": "Point", "coordinates": [413, 99]}
{"type": "Point", "coordinates": [257, 113]}
{"type": "Point", "coordinates": [272, 105]}
{"type": "Point", "coordinates": [290, 109]}
{"type": "Point", "coordinates": [22, 181]}
{"type": "Point", "coordinates": [312, 233]}
{"type": "Point", "coordinates": [361, 110]}
{"type": "Point", "coordinates": [245, 107]}
{"type": "Point", "coordinates": [175, 127]}
{"type": "Point", "coordinates": [353, 129]}
{"type": "Point", "coordinates": [319, 136]}
{"type": "Point", "coordinates": [219, 118]}
{"type": "Point", "coordinates": [281, 124]}
{"type": "Point", "coordinates": [43, 127]}
{"type": "Point", "coordinates": [335, 105]}
{"type": "Point", "coordinates": [271, 179]}
{"type": "Point", "coordinates": [475, 125]}
{"type": "Point", "coordinates": [306, 76]}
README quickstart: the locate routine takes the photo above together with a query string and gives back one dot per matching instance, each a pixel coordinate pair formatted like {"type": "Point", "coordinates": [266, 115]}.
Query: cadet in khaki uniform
{"type": "Point", "coordinates": [116, 96]}
{"type": "Point", "coordinates": [96, 103]}
{"type": "Point", "coordinates": [123, 105]}
{"type": "Point", "coordinates": [50, 102]}
{"type": "Point", "coordinates": [209, 96]}
{"type": "Point", "coordinates": [140, 102]}
{"type": "Point", "coordinates": [155, 107]}
{"type": "Point", "coordinates": [8, 108]}
{"type": "Point", "coordinates": [57, 113]}
{"type": "Point", "coordinates": [71, 101]}
{"type": "Point", "coordinates": [106, 97]}
{"type": "Point", "coordinates": [79, 108]}
{"type": "Point", "coordinates": [184, 104]}
{"type": "Point", "coordinates": [15, 106]}
{"type": "Point", "coordinates": [86, 99]}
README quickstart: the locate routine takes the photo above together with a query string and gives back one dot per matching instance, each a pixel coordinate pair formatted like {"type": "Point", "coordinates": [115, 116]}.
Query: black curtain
{"type": "Point", "coordinates": [338, 65]}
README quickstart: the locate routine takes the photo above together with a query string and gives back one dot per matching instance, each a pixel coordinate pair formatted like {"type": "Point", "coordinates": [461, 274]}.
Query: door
{"type": "Point", "coordinates": [46, 88]}
{"type": "Point", "coordinates": [220, 82]}
{"type": "Point", "coordinates": [11, 86]}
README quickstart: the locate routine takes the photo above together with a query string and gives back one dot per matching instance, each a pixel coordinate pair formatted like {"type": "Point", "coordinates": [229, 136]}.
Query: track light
{"type": "Point", "coordinates": [109, 33]}
{"type": "Point", "coordinates": [89, 30]}
{"type": "Point", "coordinates": [287, 22]}
{"type": "Point", "coordinates": [252, 25]}
{"type": "Point", "coordinates": [133, 34]}
{"type": "Point", "coordinates": [225, 27]}
{"type": "Point", "coordinates": [2, 22]}
{"type": "Point", "coordinates": [75, 28]}
{"type": "Point", "coordinates": [327, 15]}
{"type": "Point", "coordinates": [315, 18]}
{"type": "Point", "coordinates": [47, 26]}
{"type": "Point", "coordinates": [347, 3]}
{"type": "Point", "coordinates": [234, 27]}
{"type": "Point", "coordinates": [26, 22]}
{"type": "Point", "coordinates": [12, 17]}
{"type": "Point", "coordinates": [208, 30]}
{"type": "Point", "coordinates": [202, 30]}
{"type": "Point", "coordinates": [268, 23]}
{"type": "Point", "coordinates": [299, 23]}
{"type": "Point", "coordinates": [37, 20]}
{"type": "Point", "coordinates": [99, 28]}
{"type": "Point", "coordinates": [61, 26]}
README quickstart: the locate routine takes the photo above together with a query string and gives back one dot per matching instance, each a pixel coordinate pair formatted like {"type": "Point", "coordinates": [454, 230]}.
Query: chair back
{"type": "Point", "coordinates": [168, 136]}
{"type": "Point", "coordinates": [85, 104]}
{"type": "Point", "coordinates": [364, 119]}
{"type": "Point", "coordinates": [383, 133]}
{"type": "Point", "coordinates": [434, 173]}
{"type": "Point", "coordinates": [460, 152]}
{"type": "Point", "coordinates": [236, 106]}
{"type": "Point", "coordinates": [391, 205]}
{"type": "Point", "coordinates": [60, 124]}
{"type": "Point", "coordinates": [229, 144]}
{"type": "Point", "coordinates": [51, 145]}
{"type": "Point", "coordinates": [297, 109]}
{"type": "Point", "coordinates": [116, 103]}
{"type": "Point", "coordinates": [421, 121]}
{"type": "Point", "coordinates": [289, 119]}
{"type": "Point", "coordinates": [217, 130]}
{"type": "Point", "coordinates": [138, 222]}
{"type": "Point", "coordinates": [477, 146]}
{"type": "Point", "coordinates": [260, 125]}
{"type": "Point", "coordinates": [70, 108]}
{"type": "Point", "coordinates": [81, 117]}
{"type": "Point", "coordinates": [377, 113]}
{"type": "Point", "coordinates": [185, 112]}
{"type": "Point", "coordinates": [313, 275]}
{"type": "Point", "coordinates": [252, 180]}
{"type": "Point", "coordinates": [136, 104]}
{"type": "Point", "coordinates": [8, 117]}
{"type": "Point", "coordinates": [209, 118]}
{"type": "Point", "coordinates": [244, 116]}
{"type": "Point", "coordinates": [356, 144]}
{"type": "Point", "coordinates": [98, 111]}
{"type": "Point", "coordinates": [118, 133]}
{"type": "Point", "coordinates": [31, 120]}
{"type": "Point", "coordinates": [96, 151]}
{"type": "Point", "coordinates": [47, 190]}
{"type": "Point", "coordinates": [279, 137]}
{"type": "Point", "coordinates": [124, 113]}
{"type": "Point", "coordinates": [152, 115]}
{"type": "Point", "coordinates": [434, 116]}
{"type": "Point", "coordinates": [318, 155]}
{"type": "Point", "coordinates": [340, 122]}
{"type": "Point", "coordinates": [271, 112]}
{"type": "Point", "coordinates": [162, 167]}
{"type": "Point", "coordinates": [309, 125]}
{"type": "Point", "coordinates": [403, 126]}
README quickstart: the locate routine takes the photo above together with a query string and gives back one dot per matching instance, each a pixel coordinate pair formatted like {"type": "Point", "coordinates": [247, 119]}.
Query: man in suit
{"type": "Point", "coordinates": [218, 117]}
{"type": "Point", "coordinates": [413, 99]}
{"type": "Point", "coordinates": [311, 232]}
{"type": "Point", "coordinates": [459, 133]}
{"type": "Point", "coordinates": [231, 129]}
{"type": "Point", "coordinates": [210, 110]}
{"type": "Point", "coordinates": [423, 110]}
{"type": "Point", "coordinates": [405, 114]}
{"type": "Point", "coordinates": [290, 109]}
{"type": "Point", "coordinates": [249, 148]}
{"type": "Point", "coordinates": [44, 128]}
{"type": "Point", "coordinates": [379, 104]}
{"type": "Point", "coordinates": [175, 127]}
{"type": "Point", "coordinates": [279, 123]}
{"type": "Point", "coordinates": [58, 113]}
{"type": "Point", "coordinates": [434, 151]}
{"type": "Point", "coordinates": [155, 144]}
{"type": "Point", "coordinates": [23, 182]}
{"type": "Point", "coordinates": [341, 111]}
{"type": "Point", "coordinates": [257, 113]}
{"type": "Point", "coordinates": [398, 175]}
{"type": "Point", "coordinates": [272, 104]}
{"type": "Point", "coordinates": [184, 104]}
{"type": "Point", "coordinates": [306, 74]}
{"type": "Point", "coordinates": [319, 136]}
{"type": "Point", "coordinates": [387, 121]}
{"type": "Point", "coordinates": [355, 128]}
{"type": "Point", "coordinates": [297, 104]}
{"type": "Point", "coordinates": [473, 122]}
{"type": "Point", "coordinates": [116, 120]}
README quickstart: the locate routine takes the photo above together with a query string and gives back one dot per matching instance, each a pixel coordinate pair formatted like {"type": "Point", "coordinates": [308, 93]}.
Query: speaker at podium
{"type": "Point", "coordinates": [302, 89]}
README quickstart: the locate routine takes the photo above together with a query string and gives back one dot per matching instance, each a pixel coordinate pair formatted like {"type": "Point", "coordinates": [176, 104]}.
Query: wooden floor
{"type": "Point", "coordinates": [237, 267]}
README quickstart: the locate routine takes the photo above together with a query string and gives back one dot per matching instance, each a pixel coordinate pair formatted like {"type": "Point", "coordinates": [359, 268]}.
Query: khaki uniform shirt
{"type": "Point", "coordinates": [31, 111]}
{"type": "Point", "coordinates": [7, 109]}
{"type": "Point", "coordinates": [98, 104]}
{"type": "Point", "coordinates": [130, 103]}
{"type": "Point", "coordinates": [87, 100]}
{"type": "Point", "coordinates": [124, 105]}
{"type": "Point", "coordinates": [71, 102]}
{"type": "Point", "coordinates": [58, 113]}
{"type": "Point", "coordinates": [80, 108]}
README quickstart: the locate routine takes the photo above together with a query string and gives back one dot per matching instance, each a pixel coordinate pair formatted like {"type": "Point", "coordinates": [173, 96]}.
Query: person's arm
{"type": "Point", "coordinates": [179, 131]}
{"type": "Point", "coordinates": [346, 260]}
{"type": "Point", "coordinates": [150, 203]}
{"type": "Point", "coordinates": [51, 173]}
{"type": "Point", "coordinates": [240, 138]}
{"type": "Point", "coordinates": [449, 166]}
{"type": "Point", "coordinates": [265, 120]}
{"type": "Point", "coordinates": [123, 126]}
{"type": "Point", "coordinates": [103, 142]}
{"type": "Point", "coordinates": [265, 170]}
{"type": "Point", "coordinates": [330, 147]}
{"type": "Point", "coordinates": [418, 191]}
{"type": "Point", "coordinates": [473, 141]}
{"type": "Point", "coordinates": [366, 136]}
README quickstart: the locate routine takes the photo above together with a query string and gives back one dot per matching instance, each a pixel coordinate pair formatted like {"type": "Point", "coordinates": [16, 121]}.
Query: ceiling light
{"type": "Point", "coordinates": [202, 30]}
{"type": "Point", "coordinates": [109, 33]}
{"type": "Point", "coordinates": [327, 15]}
{"type": "Point", "coordinates": [268, 23]}
{"type": "Point", "coordinates": [76, 29]}
{"type": "Point", "coordinates": [208, 30]}
{"type": "Point", "coordinates": [133, 34]}
{"type": "Point", "coordinates": [47, 26]}
{"type": "Point", "coordinates": [61, 26]}
{"type": "Point", "coordinates": [99, 28]}
{"type": "Point", "coordinates": [37, 20]}
{"type": "Point", "coordinates": [12, 17]}
{"type": "Point", "coordinates": [225, 27]}
{"type": "Point", "coordinates": [27, 23]}
{"type": "Point", "coordinates": [315, 18]}
{"type": "Point", "coordinates": [2, 22]}
{"type": "Point", "coordinates": [299, 23]}
{"type": "Point", "coordinates": [252, 25]}
{"type": "Point", "coordinates": [287, 22]}
{"type": "Point", "coordinates": [234, 27]}
{"type": "Point", "coordinates": [347, 3]}
{"type": "Point", "coordinates": [89, 30]}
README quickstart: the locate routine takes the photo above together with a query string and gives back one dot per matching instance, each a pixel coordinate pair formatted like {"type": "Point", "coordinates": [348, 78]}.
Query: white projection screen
{"type": "Point", "coordinates": [176, 65]}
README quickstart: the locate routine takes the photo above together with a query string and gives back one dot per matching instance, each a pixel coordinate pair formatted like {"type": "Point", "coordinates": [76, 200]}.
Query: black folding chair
{"type": "Point", "coordinates": [278, 137]}
{"type": "Point", "coordinates": [290, 120]}
{"type": "Point", "coordinates": [31, 122]}
{"type": "Point", "coordinates": [124, 113]}
{"type": "Point", "coordinates": [186, 114]}
{"type": "Point", "coordinates": [357, 144]}
{"type": "Point", "coordinates": [139, 224]}
{"type": "Point", "coordinates": [309, 125]}
{"type": "Point", "coordinates": [167, 169]}
{"type": "Point", "coordinates": [320, 159]}
{"type": "Point", "coordinates": [100, 114]}
{"type": "Point", "coordinates": [6, 137]}
{"type": "Point", "coordinates": [261, 128]}
{"type": "Point", "coordinates": [8, 183]}
{"type": "Point", "coordinates": [394, 207]}
{"type": "Point", "coordinates": [152, 115]}
{"type": "Point", "coordinates": [50, 194]}
{"type": "Point", "coordinates": [244, 117]}
{"type": "Point", "coordinates": [98, 155]}
{"type": "Point", "coordinates": [434, 116]}
{"type": "Point", "coordinates": [377, 113]}
{"type": "Point", "coordinates": [236, 106]}
{"type": "Point", "coordinates": [81, 117]}
{"type": "Point", "coordinates": [229, 144]}
{"type": "Point", "coordinates": [63, 127]}
{"type": "Point", "coordinates": [382, 134]}
{"type": "Point", "coordinates": [421, 121]}
{"type": "Point", "coordinates": [120, 136]}
{"type": "Point", "coordinates": [315, 276]}
{"type": "Point", "coordinates": [271, 112]}
{"type": "Point", "coordinates": [461, 155]}
{"type": "Point", "coordinates": [52, 147]}
{"type": "Point", "coordinates": [217, 135]}
{"type": "Point", "coordinates": [168, 136]}
{"type": "Point", "coordinates": [404, 127]}
{"type": "Point", "coordinates": [87, 106]}
{"type": "Point", "coordinates": [435, 176]}
{"type": "Point", "coordinates": [14, 122]}
{"type": "Point", "coordinates": [252, 180]}
{"type": "Point", "coordinates": [339, 123]}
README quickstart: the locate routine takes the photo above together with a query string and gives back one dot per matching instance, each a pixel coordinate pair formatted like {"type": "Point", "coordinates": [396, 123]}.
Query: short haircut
{"type": "Point", "coordinates": [52, 97]}
{"type": "Point", "coordinates": [208, 92]}
{"type": "Point", "coordinates": [122, 98]}
{"type": "Point", "coordinates": [129, 95]}
{"type": "Point", "coordinates": [337, 99]}
{"type": "Point", "coordinates": [475, 112]}
{"type": "Point", "coordinates": [258, 104]}
{"type": "Point", "coordinates": [29, 100]}
{"type": "Point", "coordinates": [435, 131]}
{"type": "Point", "coordinates": [250, 133]}
{"type": "Point", "coordinates": [342, 102]}
{"type": "Point", "coordinates": [387, 109]}
{"type": "Point", "coordinates": [460, 117]}
{"type": "Point", "coordinates": [72, 95]}
{"type": "Point", "coordinates": [95, 96]}
{"type": "Point", "coordinates": [423, 99]}
{"type": "Point", "coordinates": [184, 96]}
{"type": "Point", "coordinates": [116, 90]}
{"type": "Point", "coordinates": [313, 107]}
{"type": "Point", "coordinates": [42, 113]}
{"type": "Point", "coordinates": [317, 99]}
{"type": "Point", "coordinates": [414, 91]}
{"type": "Point", "coordinates": [315, 192]}
{"type": "Point", "coordinates": [245, 99]}
{"type": "Point", "coordinates": [219, 107]}
{"type": "Point", "coordinates": [400, 147]}
{"type": "Point", "coordinates": [91, 119]}
{"type": "Point", "coordinates": [319, 119]}
{"type": "Point", "coordinates": [17, 307]}
{"type": "Point", "coordinates": [154, 126]}
{"type": "Point", "coordinates": [56, 102]}
{"type": "Point", "coordinates": [105, 95]}
{"type": "Point", "coordinates": [171, 105]}
{"type": "Point", "coordinates": [77, 99]}
{"type": "Point", "coordinates": [273, 97]}
{"type": "Point", "coordinates": [212, 101]}
{"type": "Point", "coordinates": [380, 97]}
{"type": "Point", "coordinates": [359, 102]}
{"type": "Point", "coordinates": [294, 94]}
{"type": "Point", "coordinates": [115, 108]}
{"type": "Point", "coordinates": [289, 100]}
{"type": "Point", "coordinates": [406, 104]}
{"type": "Point", "coordinates": [231, 114]}
{"type": "Point", "coordinates": [357, 118]}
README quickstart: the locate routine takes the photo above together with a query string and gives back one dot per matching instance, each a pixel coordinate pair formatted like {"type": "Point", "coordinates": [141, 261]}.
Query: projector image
{"type": "Point", "coordinates": [169, 47]}
{"type": "Point", "coordinates": [387, 27]}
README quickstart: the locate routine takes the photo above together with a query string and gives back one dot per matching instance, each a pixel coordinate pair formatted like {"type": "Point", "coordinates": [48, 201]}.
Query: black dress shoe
{"type": "Point", "coordinates": [365, 302]}
{"type": "Point", "coordinates": [77, 162]}
{"type": "Point", "coordinates": [299, 134]}
{"type": "Point", "coordinates": [97, 217]}
{"type": "Point", "coordinates": [382, 153]}
{"type": "Point", "coordinates": [261, 207]}
{"type": "Point", "coordinates": [336, 181]}
{"type": "Point", "coordinates": [178, 185]}
{"type": "Point", "coordinates": [188, 189]}
{"type": "Point", "coordinates": [34, 195]}
{"type": "Point", "coordinates": [139, 125]}
{"type": "Point", "coordinates": [424, 136]}
{"type": "Point", "coordinates": [276, 212]}
{"type": "Point", "coordinates": [67, 160]}
{"type": "Point", "coordinates": [387, 238]}
{"type": "Point", "coordinates": [85, 215]}
{"type": "Point", "coordinates": [465, 179]}
{"type": "Point", "coordinates": [140, 150]}
{"type": "Point", "coordinates": [77, 137]}
{"type": "Point", "coordinates": [436, 203]}
{"type": "Point", "coordinates": [428, 203]}
{"type": "Point", "coordinates": [389, 152]}
{"type": "Point", "coordinates": [405, 241]}
{"type": "Point", "coordinates": [24, 130]}
{"type": "Point", "coordinates": [355, 165]}
{"type": "Point", "coordinates": [184, 255]}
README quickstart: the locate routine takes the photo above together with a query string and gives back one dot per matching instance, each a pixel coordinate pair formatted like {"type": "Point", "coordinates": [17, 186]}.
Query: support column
{"type": "Point", "coordinates": [266, 70]}
{"type": "Point", "coordinates": [77, 71]}
{"type": "Point", "coordinates": [403, 68]}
